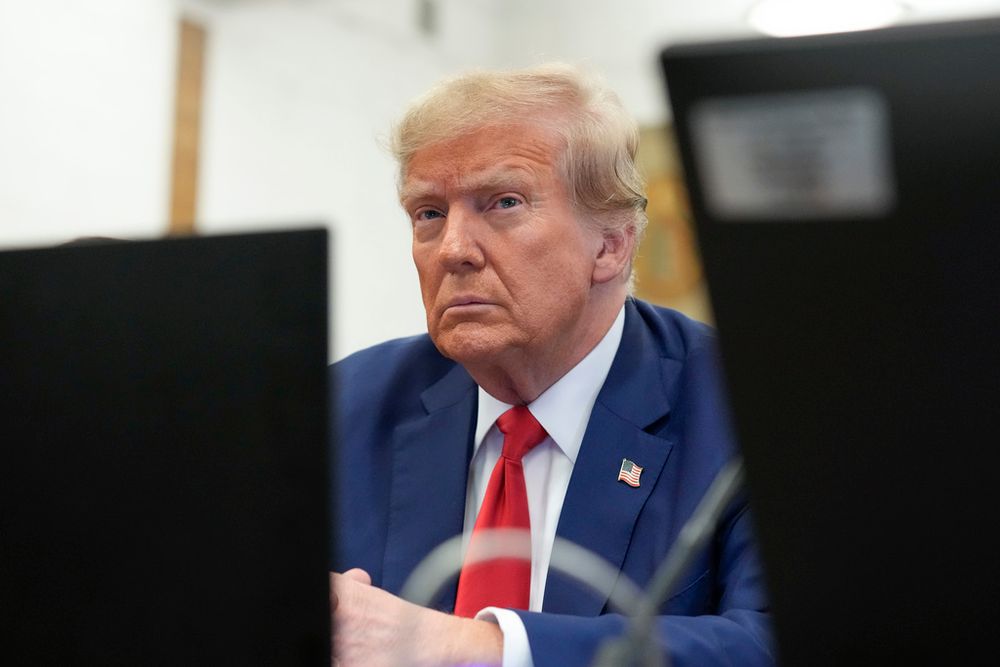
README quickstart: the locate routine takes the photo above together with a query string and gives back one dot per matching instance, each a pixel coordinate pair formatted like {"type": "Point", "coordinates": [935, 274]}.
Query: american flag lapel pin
{"type": "Point", "coordinates": [629, 473]}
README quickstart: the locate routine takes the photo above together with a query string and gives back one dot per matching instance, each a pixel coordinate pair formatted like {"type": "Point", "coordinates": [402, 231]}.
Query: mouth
{"type": "Point", "coordinates": [465, 302]}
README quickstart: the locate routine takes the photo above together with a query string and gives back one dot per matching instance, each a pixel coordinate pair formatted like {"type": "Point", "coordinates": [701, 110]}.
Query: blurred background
{"type": "Point", "coordinates": [139, 119]}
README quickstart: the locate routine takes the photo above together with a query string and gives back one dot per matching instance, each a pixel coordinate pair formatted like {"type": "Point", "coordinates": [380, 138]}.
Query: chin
{"type": "Point", "coordinates": [470, 346]}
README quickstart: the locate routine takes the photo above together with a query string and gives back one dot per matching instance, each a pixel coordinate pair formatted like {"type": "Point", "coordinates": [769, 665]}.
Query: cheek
{"type": "Point", "coordinates": [422, 262]}
{"type": "Point", "coordinates": [551, 288]}
{"type": "Point", "coordinates": [565, 266]}
{"type": "Point", "coordinates": [428, 290]}
{"type": "Point", "coordinates": [429, 281]}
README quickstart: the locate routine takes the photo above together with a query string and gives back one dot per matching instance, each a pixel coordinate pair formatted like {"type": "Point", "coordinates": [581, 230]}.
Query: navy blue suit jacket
{"type": "Point", "coordinates": [406, 418]}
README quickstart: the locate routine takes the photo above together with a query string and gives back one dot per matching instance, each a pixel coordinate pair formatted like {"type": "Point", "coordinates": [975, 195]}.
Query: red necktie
{"type": "Point", "coordinates": [502, 582]}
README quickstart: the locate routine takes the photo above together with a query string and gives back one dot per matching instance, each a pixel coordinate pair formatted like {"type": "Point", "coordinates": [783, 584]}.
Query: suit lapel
{"type": "Point", "coordinates": [599, 512]}
{"type": "Point", "coordinates": [433, 449]}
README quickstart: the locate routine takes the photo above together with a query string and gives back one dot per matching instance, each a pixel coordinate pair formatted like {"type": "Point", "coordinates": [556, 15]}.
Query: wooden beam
{"type": "Point", "coordinates": [187, 128]}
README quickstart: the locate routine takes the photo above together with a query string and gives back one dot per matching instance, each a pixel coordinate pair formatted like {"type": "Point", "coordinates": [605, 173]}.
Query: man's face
{"type": "Point", "coordinates": [505, 264]}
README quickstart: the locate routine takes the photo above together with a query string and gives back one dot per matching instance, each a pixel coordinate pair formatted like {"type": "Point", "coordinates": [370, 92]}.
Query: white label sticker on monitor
{"type": "Point", "coordinates": [809, 155]}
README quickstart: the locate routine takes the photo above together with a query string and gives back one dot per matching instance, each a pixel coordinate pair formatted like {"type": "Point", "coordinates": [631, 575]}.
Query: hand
{"type": "Point", "coordinates": [373, 628]}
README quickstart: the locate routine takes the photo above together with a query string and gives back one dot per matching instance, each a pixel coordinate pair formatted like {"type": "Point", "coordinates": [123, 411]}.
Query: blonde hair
{"type": "Point", "coordinates": [600, 138]}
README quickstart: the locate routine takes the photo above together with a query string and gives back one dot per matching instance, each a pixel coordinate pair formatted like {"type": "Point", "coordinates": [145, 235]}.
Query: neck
{"type": "Point", "coordinates": [520, 376]}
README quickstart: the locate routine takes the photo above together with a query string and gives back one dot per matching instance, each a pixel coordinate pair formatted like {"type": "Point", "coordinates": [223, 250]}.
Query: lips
{"type": "Point", "coordinates": [466, 301]}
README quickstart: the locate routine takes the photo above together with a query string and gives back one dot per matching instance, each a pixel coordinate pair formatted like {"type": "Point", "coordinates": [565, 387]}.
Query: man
{"type": "Point", "coordinates": [526, 209]}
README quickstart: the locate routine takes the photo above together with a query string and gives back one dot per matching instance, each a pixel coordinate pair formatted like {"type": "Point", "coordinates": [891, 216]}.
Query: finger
{"type": "Point", "coordinates": [359, 575]}
{"type": "Point", "coordinates": [333, 595]}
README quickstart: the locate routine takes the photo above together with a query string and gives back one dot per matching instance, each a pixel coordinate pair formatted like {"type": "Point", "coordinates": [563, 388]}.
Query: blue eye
{"type": "Point", "coordinates": [508, 202]}
{"type": "Point", "coordinates": [428, 214]}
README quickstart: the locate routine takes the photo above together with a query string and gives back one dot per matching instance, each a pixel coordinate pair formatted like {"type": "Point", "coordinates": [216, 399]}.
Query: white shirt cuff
{"type": "Point", "coordinates": [516, 651]}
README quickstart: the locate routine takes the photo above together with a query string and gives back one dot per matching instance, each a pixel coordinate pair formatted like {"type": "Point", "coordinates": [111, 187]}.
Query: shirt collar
{"type": "Point", "coordinates": [563, 409]}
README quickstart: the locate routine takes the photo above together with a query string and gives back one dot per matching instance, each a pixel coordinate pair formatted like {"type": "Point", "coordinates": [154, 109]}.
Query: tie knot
{"type": "Point", "coordinates": [521, 431]}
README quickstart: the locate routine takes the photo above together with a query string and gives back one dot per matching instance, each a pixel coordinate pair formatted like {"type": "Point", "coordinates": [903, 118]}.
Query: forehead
{"type": "Point", "coordinates": [499, 153]}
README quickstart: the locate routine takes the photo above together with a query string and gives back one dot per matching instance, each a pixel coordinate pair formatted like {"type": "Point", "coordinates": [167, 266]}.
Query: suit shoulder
{"type": "Point", "coordinates": [677, 335]}
{"type": "Point", "coordinates": [382, 369]}
{"type": "Point", "coordinates": [389, 353]}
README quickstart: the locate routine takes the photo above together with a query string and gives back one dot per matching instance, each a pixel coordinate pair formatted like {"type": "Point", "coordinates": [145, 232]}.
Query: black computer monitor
{"type": "Point", "coordinates": [163, 452]}
{"type": "Point", "coordinates": [845, 190]}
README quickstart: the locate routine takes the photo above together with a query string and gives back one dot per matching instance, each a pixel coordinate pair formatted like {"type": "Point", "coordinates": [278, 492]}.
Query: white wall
{"type": "Point", "coordinates": [85, 111]}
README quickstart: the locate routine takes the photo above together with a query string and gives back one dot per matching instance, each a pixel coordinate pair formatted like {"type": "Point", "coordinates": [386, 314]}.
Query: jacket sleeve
{"type": "Point", "coordinates": [737, 633]}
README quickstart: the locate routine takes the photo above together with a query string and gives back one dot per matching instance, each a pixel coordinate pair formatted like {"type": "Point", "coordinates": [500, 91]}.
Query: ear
{"type": "Point", "coordinates": [614, 255]}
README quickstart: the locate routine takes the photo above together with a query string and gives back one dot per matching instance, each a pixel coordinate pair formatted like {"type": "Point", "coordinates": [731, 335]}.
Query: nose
{"type": "Point", "coordinates": [461, 248]}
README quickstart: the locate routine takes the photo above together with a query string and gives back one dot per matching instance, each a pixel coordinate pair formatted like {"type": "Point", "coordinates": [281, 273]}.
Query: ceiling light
{"type": "Point", "coordinates": [788, 18]}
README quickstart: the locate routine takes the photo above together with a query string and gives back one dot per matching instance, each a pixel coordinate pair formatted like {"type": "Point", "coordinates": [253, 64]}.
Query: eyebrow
{"type": "Point", "coordinates": [418, 190]}
{"type": "Point", "coordinates": [502, 177]}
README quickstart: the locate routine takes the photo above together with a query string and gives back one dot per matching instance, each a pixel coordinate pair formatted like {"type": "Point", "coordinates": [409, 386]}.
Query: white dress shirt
{"type": "Point", "coordinates": [563, 410]}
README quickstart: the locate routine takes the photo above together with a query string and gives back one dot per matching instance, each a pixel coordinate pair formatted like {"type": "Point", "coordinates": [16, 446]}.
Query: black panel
{"type": "Point", "coordinates": [164, 479]}
{"type": "Point", "coordinates": [862, 355]}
